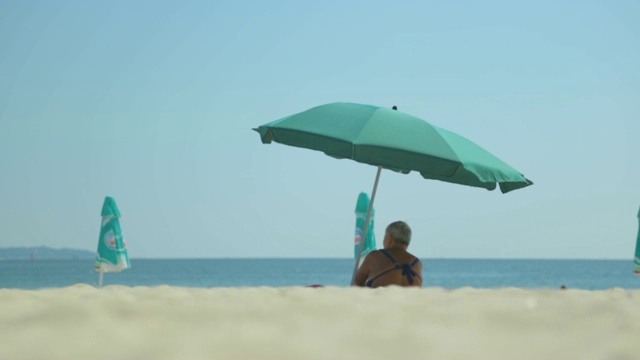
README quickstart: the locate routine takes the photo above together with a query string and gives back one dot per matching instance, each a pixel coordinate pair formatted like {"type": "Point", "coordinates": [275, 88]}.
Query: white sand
{"type": "Point", "coordinates": [82, 322]}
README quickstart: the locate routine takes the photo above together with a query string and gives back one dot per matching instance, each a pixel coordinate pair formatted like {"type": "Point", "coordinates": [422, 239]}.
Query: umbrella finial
{"type": "Point", "coordinates": [394, 107]}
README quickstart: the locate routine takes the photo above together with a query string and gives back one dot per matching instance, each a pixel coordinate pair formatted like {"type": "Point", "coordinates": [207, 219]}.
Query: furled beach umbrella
{"type": "Point", "coordinates": [367, 244]}
{"type": "Point", "coordinates": [112, 253]}
{"type": "Point", "coordinates": [387, 138]}
{"type": "Point", "coordinates": [636, 259]}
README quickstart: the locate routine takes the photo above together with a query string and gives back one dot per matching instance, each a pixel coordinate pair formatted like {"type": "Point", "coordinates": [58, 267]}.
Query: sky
{"type": "Point", "coordinates": [153, 103]}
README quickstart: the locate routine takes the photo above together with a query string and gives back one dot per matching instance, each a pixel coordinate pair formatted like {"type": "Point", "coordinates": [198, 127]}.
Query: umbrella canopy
{"type": "Point", "coordinates": [112, 254]}
{"type": "Point", "coordinates": [367, 244]}
{"type": "Point", "coordinates": [393, 140]}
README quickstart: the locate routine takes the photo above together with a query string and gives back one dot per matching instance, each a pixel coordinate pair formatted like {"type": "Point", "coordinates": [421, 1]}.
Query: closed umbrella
{"type": "Point", "coordinates": [112, 252]}
{"type": "Point", "coordinates": [636, 258]}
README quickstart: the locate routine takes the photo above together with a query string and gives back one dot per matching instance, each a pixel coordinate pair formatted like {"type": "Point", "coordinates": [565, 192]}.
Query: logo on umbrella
{"type": "Point", "coordinates": [110, 240]}
{"type": "Point", "coordinates": [358, 237]}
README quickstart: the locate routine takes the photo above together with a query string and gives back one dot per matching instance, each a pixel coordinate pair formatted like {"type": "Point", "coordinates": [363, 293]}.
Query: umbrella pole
{"type": "Point", "coordinates": [101, 276]}
{"type": "Point", "coordinates": [366, 225]}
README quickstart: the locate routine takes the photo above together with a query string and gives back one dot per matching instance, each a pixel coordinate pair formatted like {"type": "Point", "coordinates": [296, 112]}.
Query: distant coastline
{"type": "Point", "coordinates": [44, 253]}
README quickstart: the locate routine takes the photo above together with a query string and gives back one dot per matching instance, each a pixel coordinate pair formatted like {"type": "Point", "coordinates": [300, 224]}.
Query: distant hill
{"type": "Point", "coordinates": [44, 253]}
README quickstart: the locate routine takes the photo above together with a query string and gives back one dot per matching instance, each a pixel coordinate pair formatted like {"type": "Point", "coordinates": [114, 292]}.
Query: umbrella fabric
{"type": "Point", "coordinates": [393, 140]}
{"type": "Point", "coordinates": [112, 254]}
{"type": "Point", "coordinates": [390, 139]}
{"type": "Point", "coordinates": [368, 243]}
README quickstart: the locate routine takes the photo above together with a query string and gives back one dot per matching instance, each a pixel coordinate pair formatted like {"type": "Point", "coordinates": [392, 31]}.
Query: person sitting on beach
{"type": "Point", "coordinates": [392, 265]}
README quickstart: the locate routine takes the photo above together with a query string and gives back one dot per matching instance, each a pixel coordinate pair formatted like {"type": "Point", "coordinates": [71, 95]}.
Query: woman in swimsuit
{"type": "Point", "coordinates": [392, 265]}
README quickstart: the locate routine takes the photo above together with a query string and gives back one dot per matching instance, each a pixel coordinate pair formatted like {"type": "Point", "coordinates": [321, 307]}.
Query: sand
{"type": "Point", "coordinates": [116, 322]}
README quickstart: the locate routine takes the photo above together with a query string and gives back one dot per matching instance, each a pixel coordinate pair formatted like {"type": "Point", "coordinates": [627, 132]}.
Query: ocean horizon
{"type": "Point", "coordinates": [587, 274]}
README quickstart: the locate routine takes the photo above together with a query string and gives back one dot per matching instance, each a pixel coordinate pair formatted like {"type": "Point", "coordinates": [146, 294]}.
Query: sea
{"type": "Point", "coordinates": [212, 273]}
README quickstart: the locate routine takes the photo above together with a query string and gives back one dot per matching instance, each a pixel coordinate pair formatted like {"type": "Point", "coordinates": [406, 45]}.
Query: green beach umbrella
{"type": "Point", "coordinates": [390, 139]}
{"type": "Point", "coordinates": [367, 244]}
{"type": "Point", "coordinates": [636, 259]}
{"type": "Point", "coordinates": [112, 253]}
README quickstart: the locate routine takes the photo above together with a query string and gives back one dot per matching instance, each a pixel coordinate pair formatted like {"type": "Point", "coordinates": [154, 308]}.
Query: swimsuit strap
{"type": "Point", "coordinates": [386, 253]}
{"type": "Point", "coordinates": [370, 282]}
{"type": "Point", "coordinates": [393, 260]}
{"type": "Point", "coordinates": [407, 270]}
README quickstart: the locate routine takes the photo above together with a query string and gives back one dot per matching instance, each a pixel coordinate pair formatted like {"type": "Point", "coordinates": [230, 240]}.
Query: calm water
{"type": "Point", "coordinates": [446, 273]}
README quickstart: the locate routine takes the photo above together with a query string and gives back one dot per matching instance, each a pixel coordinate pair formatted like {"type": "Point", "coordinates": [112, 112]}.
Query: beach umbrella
{"type": "Point", "coordinates": [636, 259]}
{"type": "Point", "coordinates": [390, 139]}
{"type": "Point", "coordinates": [364, 245]}
{"type": "Point", "coordinates": [112, 253]}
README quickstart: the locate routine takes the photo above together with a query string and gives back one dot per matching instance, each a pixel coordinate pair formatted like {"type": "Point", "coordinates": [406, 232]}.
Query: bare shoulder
{"type": "Point", "coordinates": [372, 256]}
{"type": "Point", "coordinates": [416, 261]}
{"type": "Point", "coordinates": [375, 253]}
{"type": "Point", "coordinates": [414, 257]}
{"type": "Point", "coordinates": [417, 265]}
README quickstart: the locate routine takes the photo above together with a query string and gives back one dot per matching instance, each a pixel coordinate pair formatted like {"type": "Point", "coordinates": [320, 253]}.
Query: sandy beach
{"type": "Point", "coordinates": [115, 322]}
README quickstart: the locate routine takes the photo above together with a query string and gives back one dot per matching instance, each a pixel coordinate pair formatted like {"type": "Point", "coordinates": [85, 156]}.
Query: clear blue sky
{"type": "Point", "coordinates": [152, 102]}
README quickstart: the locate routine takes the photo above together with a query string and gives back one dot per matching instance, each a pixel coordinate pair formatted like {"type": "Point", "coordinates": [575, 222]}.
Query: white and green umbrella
{"type": "Point", "coordinates": [112, 252]}
{"type": "Point", "coordinates": [368, 243]}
